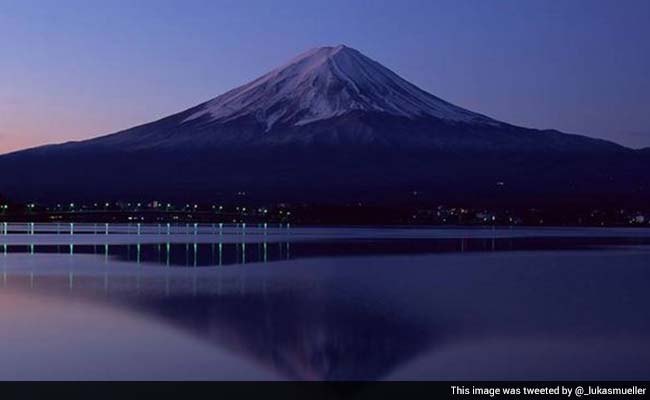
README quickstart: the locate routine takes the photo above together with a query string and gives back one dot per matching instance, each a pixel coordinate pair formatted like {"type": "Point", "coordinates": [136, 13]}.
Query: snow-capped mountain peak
{"type": "Point", "coordinates": [326, 82]}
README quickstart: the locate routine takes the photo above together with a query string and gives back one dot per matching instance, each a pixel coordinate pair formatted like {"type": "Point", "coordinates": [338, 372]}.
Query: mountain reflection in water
{"type": "Point", "coordinates": [294, 328]}
{"type": "Point", "coordinates": [366, 310]}
{"type": "Point", "coordinates": [313, 339]}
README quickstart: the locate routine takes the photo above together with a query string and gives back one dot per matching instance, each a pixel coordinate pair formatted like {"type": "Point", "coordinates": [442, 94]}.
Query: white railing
{"type": "Point", "coordinates": [31, 228]}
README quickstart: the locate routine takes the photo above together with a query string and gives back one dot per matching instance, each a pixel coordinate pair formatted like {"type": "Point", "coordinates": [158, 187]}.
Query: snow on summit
{"type": "Point", "coordinates": [327, 82]}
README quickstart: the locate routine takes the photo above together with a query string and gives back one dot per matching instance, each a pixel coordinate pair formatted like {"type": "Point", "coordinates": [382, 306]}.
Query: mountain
{"type": "Point", "coordinates": [332, 126]}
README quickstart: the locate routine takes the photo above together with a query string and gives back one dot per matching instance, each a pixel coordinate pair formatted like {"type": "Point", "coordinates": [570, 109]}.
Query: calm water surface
{"type": "Point", "coordinates": [326, 304]}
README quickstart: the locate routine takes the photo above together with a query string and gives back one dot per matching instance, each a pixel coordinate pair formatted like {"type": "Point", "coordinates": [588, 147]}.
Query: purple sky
{"type": "Point", "coordinates": [77, 69]}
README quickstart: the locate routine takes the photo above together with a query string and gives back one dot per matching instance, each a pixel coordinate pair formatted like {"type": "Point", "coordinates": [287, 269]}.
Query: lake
{"type": "Point", "coordinates": [309, 303]}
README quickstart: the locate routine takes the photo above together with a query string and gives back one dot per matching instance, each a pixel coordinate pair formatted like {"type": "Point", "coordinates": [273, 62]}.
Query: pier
{"type": "Point", "coordinates": [29, 233]}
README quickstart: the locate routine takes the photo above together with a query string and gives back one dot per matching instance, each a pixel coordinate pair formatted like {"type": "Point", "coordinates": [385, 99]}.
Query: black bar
{"type": "Point", "coordinates": [328, 390]}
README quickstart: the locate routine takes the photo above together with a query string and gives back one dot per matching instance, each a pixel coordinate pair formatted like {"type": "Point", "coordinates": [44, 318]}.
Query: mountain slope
{"type": "Point", "coordinates": [328, 82]}
{"type": "Point", "coordinates": [332, 125]}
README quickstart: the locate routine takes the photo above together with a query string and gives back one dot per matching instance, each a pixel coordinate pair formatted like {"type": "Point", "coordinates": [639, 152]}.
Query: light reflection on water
{"type": "Point", "coordinates": [219, 253]}
{"type": "Point", "coordinates": [346, 309]}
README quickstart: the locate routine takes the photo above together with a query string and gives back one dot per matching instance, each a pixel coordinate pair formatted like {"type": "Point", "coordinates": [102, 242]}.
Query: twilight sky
{"type": "Point", "coordinates": [73, 69]}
